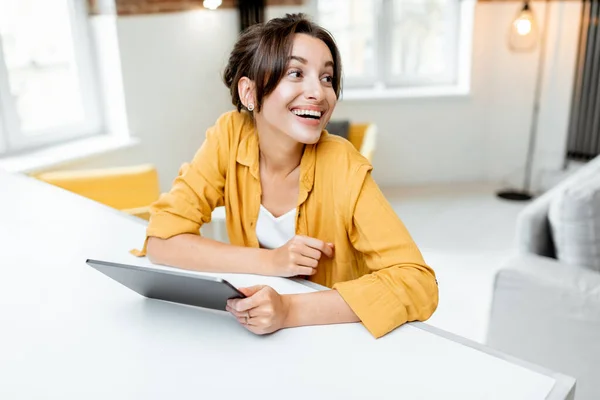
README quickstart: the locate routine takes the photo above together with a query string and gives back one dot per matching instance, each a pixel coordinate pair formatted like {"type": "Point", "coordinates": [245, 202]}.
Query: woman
{"type": "Point", "coordinates": [299, 202]}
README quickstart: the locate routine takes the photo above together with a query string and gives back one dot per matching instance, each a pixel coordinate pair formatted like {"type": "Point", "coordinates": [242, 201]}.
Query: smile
{"type": "Point", "coordinates": [310, 114]}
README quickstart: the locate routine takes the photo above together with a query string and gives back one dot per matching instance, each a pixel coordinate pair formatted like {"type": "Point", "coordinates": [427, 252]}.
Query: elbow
{"type": "Point", "coordinates": [155, 249]}
{"type": "Point", "coordinates": [423, 292]}
{"type": "Point", "coordinates": [430, 287]}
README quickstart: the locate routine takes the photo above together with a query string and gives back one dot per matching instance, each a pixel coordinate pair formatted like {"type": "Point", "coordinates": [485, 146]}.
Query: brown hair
{"type": "Point", "coordinates": [262, 51]}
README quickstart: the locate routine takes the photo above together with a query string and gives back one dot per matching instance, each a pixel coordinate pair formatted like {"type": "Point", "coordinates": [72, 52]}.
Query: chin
{"type": "Point", "coordinates": [308, 138]}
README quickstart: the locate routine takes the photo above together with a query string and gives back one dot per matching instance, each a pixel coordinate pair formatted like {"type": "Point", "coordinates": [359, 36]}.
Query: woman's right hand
{"type": "Point", "coordinates": [299, 256]}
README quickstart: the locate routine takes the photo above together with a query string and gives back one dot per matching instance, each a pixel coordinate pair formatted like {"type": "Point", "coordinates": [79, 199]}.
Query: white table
{"type": "Point", "coordinates": [69, 332]}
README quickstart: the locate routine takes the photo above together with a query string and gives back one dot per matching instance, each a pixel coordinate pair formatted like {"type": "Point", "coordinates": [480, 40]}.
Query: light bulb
{"type": "Point", "coordinates": [523, 35]}
{"type": "Point", "coordinates": [523, 26]}
{"type": "Point", "coordinates": [212, 4]}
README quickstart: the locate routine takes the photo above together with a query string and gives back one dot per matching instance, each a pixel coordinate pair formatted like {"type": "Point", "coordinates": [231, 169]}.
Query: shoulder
{"type": "Point", "coordinates": [340, 170]}
{"type": "Point", "coordinates": [335, 152]}
{"type": "Point", "coordinates": [231, 126]}
{"type": "Point", "coordinates": [224, 136]}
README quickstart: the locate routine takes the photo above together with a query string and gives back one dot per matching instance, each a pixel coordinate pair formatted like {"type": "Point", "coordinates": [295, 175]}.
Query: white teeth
{"type": "Point", "coordinates": [307, 112]}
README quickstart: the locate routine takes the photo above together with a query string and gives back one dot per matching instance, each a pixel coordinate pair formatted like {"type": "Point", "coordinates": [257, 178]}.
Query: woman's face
{"type": "Point", "coordinates": [303, 101]}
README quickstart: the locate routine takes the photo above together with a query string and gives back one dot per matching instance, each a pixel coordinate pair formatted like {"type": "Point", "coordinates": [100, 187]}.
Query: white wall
{"type": "Point", "coordinates": [172, 66]}
{"type": "Point", "coordinates": [482, 137]}
{"type": "Point", "coordinates": [508, 92]}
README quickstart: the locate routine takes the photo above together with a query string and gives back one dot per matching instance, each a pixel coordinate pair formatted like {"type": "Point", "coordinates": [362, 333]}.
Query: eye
{"type": "Point", "coordinates": [327, 79]}
{"type": "Point", "coordinates": [295, 73]}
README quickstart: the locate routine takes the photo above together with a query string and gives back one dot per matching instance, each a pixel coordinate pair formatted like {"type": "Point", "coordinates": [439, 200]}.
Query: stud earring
{"type": "Point", "coordinates": [250, 107]}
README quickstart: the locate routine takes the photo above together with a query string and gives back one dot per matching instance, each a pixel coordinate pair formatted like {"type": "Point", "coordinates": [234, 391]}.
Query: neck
{"type": "Point", "coordinates": [279, 154]}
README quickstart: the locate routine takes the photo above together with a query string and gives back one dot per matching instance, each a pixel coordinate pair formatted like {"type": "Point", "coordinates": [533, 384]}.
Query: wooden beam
{"type": "Point", "coordinates": [137, 7]}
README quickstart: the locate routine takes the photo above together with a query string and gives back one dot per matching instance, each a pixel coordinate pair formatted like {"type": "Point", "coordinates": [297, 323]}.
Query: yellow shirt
{"type": "Point", "coordinates": [377, 267]}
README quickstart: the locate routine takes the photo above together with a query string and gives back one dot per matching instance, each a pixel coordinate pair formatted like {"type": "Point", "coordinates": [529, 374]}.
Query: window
{"type": "Point", "coordinates": [48, 88]}
{"type": "Point", "coordinates": [391, 44]}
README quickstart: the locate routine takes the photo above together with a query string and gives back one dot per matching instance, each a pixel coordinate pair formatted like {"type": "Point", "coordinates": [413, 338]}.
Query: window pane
{"type": "Point", "coordinates": [423, 38]}
{"type": "Point", "coordinates": [357, 51]}
{"type": "Point", "coordinates": [39, 55]}
{"type": "Point", "coordinates": [352, 24]}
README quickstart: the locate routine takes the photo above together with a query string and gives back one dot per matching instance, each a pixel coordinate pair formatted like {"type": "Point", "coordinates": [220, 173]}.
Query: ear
{"type": "Point", "coordinates": [246, 91]}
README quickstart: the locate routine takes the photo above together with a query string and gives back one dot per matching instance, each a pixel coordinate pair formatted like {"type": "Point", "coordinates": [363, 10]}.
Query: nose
{"type": "Point", "coordinates": [313, 89]}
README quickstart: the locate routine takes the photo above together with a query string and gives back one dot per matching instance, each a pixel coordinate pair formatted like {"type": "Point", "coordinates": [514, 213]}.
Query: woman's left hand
{"type": "Point", "coordinates": [262, 311]}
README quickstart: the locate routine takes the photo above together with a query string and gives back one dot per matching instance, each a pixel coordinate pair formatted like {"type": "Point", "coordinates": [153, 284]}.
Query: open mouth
{"type": "Point", "coordinates": [308, 114]}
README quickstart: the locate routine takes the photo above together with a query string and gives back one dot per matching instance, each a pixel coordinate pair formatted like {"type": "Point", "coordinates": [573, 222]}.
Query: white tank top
{"type": "Point", "coordinates": [274, 232]}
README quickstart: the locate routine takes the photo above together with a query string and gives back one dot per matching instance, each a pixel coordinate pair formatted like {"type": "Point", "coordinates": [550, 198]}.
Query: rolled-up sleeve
{"type": "Point", "coordinates": [196, 192]}
{"type": "Point", "coordinates": [400, 287]}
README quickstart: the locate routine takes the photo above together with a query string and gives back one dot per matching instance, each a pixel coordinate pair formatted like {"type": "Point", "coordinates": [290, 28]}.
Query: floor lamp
{"type": "Point", "coordinates": [522, 37]}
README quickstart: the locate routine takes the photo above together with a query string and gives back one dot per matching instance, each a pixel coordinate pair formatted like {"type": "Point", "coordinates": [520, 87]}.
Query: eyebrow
{"type": "Point", "coordinates": [304, 61]}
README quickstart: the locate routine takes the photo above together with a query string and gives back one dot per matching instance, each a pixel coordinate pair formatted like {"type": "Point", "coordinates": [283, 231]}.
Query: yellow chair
{"type": "Point", "coordinates": [364, 138]}
{"type": "Point", "coordinates": [129, 189]}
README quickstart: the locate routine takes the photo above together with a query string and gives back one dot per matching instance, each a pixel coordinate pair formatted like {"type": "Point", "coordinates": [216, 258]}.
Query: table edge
{"type": "Point", "coordinates": [563, 389]}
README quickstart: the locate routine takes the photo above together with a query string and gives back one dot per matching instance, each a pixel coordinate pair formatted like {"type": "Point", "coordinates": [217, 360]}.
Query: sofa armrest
{"type": "Point", "coordinates": [552, 274]}
{"type": "Point", "coordinates": [548, 313]}
{"type": "Point", "coordinates": [533, 232]}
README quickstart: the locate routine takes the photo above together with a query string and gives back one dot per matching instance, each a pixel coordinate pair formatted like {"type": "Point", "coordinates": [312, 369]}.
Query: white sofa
{"type": "Point", "coordinates": [544, 310]}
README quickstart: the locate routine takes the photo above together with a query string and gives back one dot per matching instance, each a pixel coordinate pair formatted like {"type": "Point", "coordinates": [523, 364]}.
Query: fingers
{"type": "Point", "coordinates": [306, 271]}
{"type": "Point", "coordinates": [251, 314]}
{"type": "Point", "coordinates": [249, 291]}
{"type": "Point", "coordinates": [241, 315]}
{"type": "Point", "coordinates": [242, 305]}
{"type": "Point", "coordinates": [238, 314]}
{"type": "Point", "coordinates": [267, 316]}
{"type": "Point", "coordinates": [247, 322]}
{"type": "Point", "coordinates": [328, 249]}
{"type": "Point", "coordinates": [244, 317]}
{"type": "Point", "coordinates": [310, 253]}
{"type": "Point", "coordinates": [303, 261]}
{"type": "Point", "coordinates": [319, 245]}
{"type": "Point", "coordinates": [256, 298]}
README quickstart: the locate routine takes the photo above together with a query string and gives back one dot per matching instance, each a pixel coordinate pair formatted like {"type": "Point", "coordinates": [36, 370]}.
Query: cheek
{"type": "Point", "coordinates": [332, 101]}
{"type": "Point", "coordinates": [277, 100]}
{"type": "Point", "coordinates": [286, 92]}
{"type": "Point", "coordinates": [272, 106]}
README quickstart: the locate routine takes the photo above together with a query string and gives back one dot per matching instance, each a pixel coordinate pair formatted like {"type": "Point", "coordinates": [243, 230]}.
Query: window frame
{"type": "Point", "coordinates": [394, 81]}
{"type": "Point", "coordinates": [12, 139]}
{"type": "Point", "coordinates": [388, 86]}
{"type": "Point", "coordinates": [365, 81]}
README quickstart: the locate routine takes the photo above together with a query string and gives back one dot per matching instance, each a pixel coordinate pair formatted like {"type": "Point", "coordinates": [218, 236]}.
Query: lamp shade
{"type": "Point", "coordinates": [524, 31]}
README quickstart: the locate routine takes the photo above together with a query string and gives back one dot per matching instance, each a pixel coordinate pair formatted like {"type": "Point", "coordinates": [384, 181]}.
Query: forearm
{"type": "Point", "coordinates": [319, 308]}
{"type": "Point", "coordinates": [198, 253]}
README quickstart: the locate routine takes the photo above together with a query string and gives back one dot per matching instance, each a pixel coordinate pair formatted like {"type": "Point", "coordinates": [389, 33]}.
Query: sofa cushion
{"type": "Point", "coordinates": [574, 217]}
{"type": "Point", "coordinates": [533, 233]}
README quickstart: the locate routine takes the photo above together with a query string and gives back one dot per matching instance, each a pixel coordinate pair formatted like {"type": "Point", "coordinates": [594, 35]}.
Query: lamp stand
{"type": "Point", "coordinates": [525, 194]}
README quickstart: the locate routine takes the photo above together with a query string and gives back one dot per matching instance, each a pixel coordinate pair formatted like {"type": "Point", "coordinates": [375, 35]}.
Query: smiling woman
{"type": "Point", "coordinates": [298, 201]}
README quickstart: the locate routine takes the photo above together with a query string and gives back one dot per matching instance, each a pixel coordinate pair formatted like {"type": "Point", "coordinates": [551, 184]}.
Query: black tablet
{"type": "Point", "coordinates": [178, 287]}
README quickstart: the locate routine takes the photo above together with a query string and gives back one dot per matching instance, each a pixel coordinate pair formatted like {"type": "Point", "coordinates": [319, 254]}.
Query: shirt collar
{"type": "Point", "coordinates": [248, 155]}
